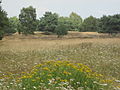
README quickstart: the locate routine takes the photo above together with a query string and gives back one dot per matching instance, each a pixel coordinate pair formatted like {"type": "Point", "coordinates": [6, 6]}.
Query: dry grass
{"type": "Point", "coordinates": [21, 53]}
{"type": "Point", "coordinates": [40, 41]}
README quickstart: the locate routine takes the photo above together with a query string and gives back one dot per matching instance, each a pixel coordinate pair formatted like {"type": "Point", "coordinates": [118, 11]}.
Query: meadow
{"type": "Point", "coordinates": [19, 54]}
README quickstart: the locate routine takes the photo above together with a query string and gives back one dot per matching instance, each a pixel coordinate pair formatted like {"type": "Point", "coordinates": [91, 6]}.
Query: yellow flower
{"type": "Point", "coordinates": [106, 81]}
{"type": "Point", "coordinates": [46, 68]}
{"type": "Point", "coordinates": [63, 80]}
{"type": "Point", "coordinates": [24, 72]}
{"type": "Point", "coordinates": [25, 77]}
{"type": "Point", "coordinates": [33, 80]}
{"type": "Point", "coordinates": [67, 73]}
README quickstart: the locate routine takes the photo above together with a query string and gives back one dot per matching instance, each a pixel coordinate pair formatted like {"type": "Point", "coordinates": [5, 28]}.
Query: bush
{"type": "Point", "coordinates": [59, 75]}
{"type": "Point", "coordinates": [61, 30]}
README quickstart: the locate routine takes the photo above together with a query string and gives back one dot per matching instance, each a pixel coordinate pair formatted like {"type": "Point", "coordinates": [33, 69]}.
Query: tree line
{"type": "Point", "coordinates": [27, 23]}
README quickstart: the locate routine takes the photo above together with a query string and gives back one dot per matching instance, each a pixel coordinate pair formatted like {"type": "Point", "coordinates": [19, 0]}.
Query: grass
{"type": "Point", "coordinates": [102, 55]}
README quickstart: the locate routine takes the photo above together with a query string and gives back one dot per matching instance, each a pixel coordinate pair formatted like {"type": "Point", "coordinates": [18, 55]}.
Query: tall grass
{"type": "Point", "coordinates": [101, 55]}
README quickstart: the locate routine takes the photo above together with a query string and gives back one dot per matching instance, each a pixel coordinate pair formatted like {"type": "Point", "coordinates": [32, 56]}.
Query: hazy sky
{"type": "Point", "coordinates": [84, 8]}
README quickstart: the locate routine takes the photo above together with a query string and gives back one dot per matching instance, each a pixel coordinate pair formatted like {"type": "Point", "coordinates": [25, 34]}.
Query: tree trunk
{"type": "Point", "coordinates": [1, 38]}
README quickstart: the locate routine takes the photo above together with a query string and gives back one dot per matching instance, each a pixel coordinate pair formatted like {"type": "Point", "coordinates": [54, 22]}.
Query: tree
{"type": "Point", "coordinates": [66, 21]}
{"type": "Point", "coordinates": [90, 24]}
{"type": "Point", "coordinates": [27, 19]}
{"type": "Point", "coordinates": [13, 25]}
{"type": "Point", "coordinates": [61, 30]}
{"type": "Point", "coordinates": [48, 22]}
{"type": "Point", "coordinates": [37, 23]}
{"type": "Point", "coordinates": [3, 22]}
{"type": "Point", "coordinates": [110, 24]}
{"type": "Point", "coordinates": [72, 22]}
{"type": "Point", "coordinates": [76, 21]}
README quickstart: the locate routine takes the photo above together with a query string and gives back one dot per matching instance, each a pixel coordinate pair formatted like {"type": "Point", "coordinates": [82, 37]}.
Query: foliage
{"type": "Point", "coordinates": [66, 21]}
{"type": "Point", "coordinates": [4, 23]}
{"type": "Point", "coordinates": [37, 24]}
{"type": "Point", "coordinates": [27, 19]}
{"type": "Point", "coordinates": [14, 22]}
{"type": "Point", "coordinates": [76, 21]}
{"type": "Point", "coordinates": [110, 24]}
{"type": "Point", "coordinates": [61, 30]}
{"type": "Point", "coordinates": [72, 22]}
{"type": "Point", "coordinates": [13, 26]}
{"type": "Point", "coordinates": [48, 22]}
{"type": "Point", "coordinates": [90, 24]}
{"type": "Point", "coordinates": [61, 75]}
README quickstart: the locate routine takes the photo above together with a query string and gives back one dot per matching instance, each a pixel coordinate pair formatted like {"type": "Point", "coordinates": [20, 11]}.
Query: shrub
{"type": "Point", "coordinates": [59, 75]}
{"type": "Point", "coordinates": [61, 30]}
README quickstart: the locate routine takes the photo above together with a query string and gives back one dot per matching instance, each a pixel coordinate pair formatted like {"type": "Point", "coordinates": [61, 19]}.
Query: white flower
{"type": "Point", "coordinates": [24, 88]}
{"type": "Point", "coordinates": [34, 87]}
{"type": "Point", "coordinates": [8, 86]}
{"type": "Point", "coordinates": [71, 79]}
{"type": "Point", "coordinates": [0, 84]}
{"type": "Point", "coordinates": [78, 82]}
{"type": "Point", "coordinates": [11, 83]}
{"type": "Point", "coordinates": [103, 84]}
{"type": "Point", "coordinates": [118, 81]}
{"type": "Point", "coordinates": [95, 82]}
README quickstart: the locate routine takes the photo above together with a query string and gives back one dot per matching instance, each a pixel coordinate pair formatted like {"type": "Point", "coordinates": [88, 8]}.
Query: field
{"type": "Point", "coordinates": [19, 54]}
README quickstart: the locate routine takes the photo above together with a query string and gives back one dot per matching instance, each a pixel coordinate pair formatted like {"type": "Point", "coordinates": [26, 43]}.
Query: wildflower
{"type": "Point", "coordinates": [24, 72]}
{"type": "Point", "coordinates": [103, 84]}
{"type": "Point", "coordinates": [33, 80]}
{"type": "Point", "coordinates": [78, 82]}
{"type": "Point", "coordinates": [45, 68]}
{"type": "Point", "coordinates": [24, 88]}
{"type": "Point", "coordinates": [118, 81]}
{"type": "Point", "coordinates": [107, 81]}
{"type": "Point", "coordinates": [24, 77]}
{"type": "Point", "coordinates": [95, 82]}
{"type": "Point", "coordinates": [8, 86]}
{"type": "Point", "coordinates": [11, 83]}
{"type": "Point", "coordinates": [52, 81]}
{"type": "Point", "coordinates": [71, 79]}
{"type": "Point", "coordinates": [34, 87]}
{"type": "Point", "coordinates": [67, 73]}
{"type": "Point", "coordinates": [0, 84]}
{"type": "Point", "coordinates": [63, 80]}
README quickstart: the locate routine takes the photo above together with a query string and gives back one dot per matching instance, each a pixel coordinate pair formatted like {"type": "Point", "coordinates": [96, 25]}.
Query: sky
{"type": "Point", "coordinates": [84, 8]}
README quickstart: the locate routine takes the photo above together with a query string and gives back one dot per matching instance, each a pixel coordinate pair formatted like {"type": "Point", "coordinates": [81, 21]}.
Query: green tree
{"type": "Point", "coordinates": [110, 24]}
{"type": "Point", "coordinates": [3, 22]}
{"type": "Point", "coordinates": [13, 25]}
{"type": "Point", "coordinates": [72, 22]}
{"type": "Point", "coordinates": [90, 24]}
{"type": "Point", "coordinates": [66, 21]}
{"type": "Point", "coordinates": [37, 23]}
{"type": "Point", "coordinates": [61, 30]}
{"type": "Point", "coordinates": [27, 19]}
{"type": "Point", "coordinates": [48, 22]}
{"type": "Point", "coordinates": [76, 21]}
